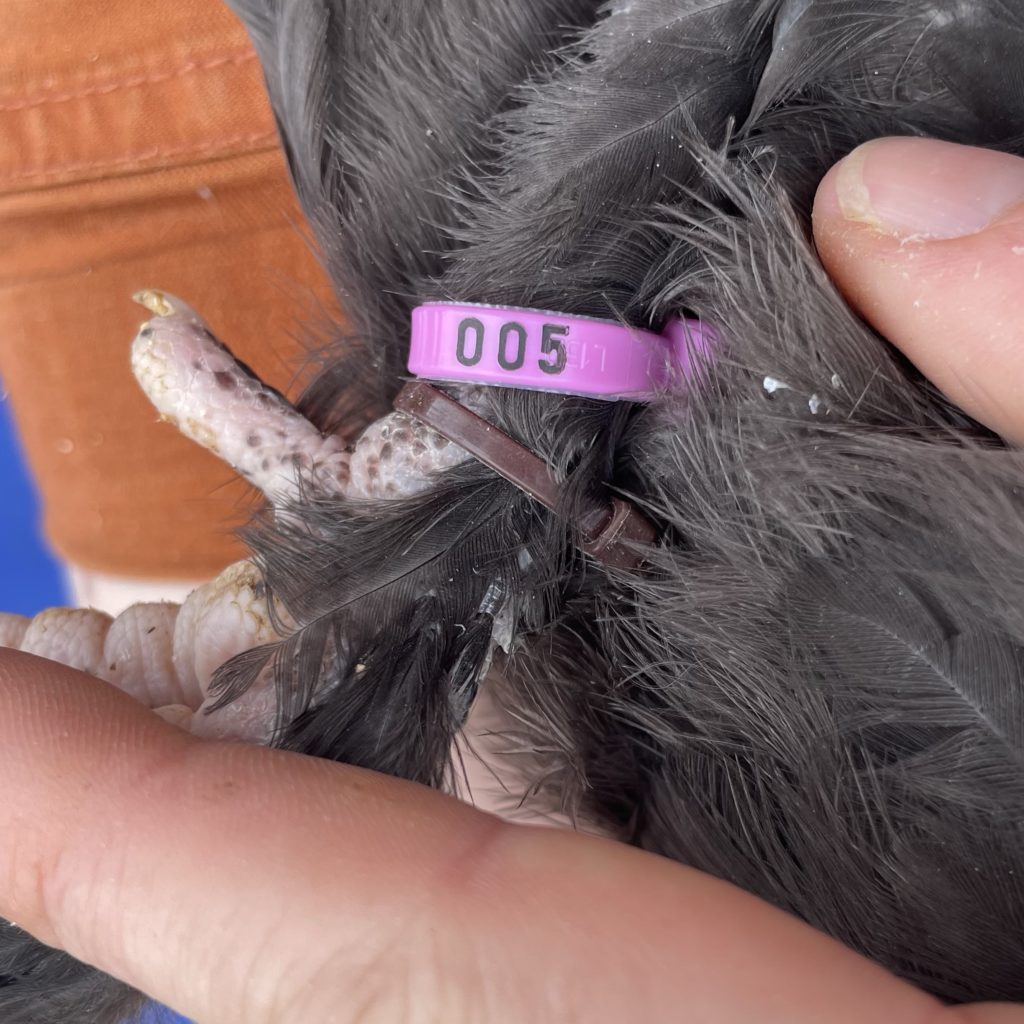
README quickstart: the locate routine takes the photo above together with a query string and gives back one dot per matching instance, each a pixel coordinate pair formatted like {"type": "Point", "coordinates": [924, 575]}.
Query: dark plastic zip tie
{"type": "Point", "coordinates": [611, 533]}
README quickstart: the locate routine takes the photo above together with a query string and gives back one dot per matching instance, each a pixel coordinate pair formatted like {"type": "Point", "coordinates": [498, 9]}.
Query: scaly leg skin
{"type": "Point", "coordinates": [165, 655]}
{"type": "Point", "coordinates": [195, 383]}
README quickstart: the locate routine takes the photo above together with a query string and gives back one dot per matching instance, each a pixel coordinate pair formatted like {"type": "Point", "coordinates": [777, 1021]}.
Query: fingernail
{"type": "Point", "coordinates": [920, 189]}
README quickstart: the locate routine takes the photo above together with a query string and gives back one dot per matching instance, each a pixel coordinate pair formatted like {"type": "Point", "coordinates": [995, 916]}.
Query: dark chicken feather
{"type": "Point", "coordinates": [405, 621]}
{"type": "Point", "coordinates": [853, 71]}
{"type": "Point", "coordinates": [814, 689]}
{"type": "Point", "coordinates": [382, 109]}
{"type": "Point", "coordinates": [594, 149]}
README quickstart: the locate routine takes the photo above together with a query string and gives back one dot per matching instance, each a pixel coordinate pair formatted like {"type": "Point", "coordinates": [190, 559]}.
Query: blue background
{"type": "Point", "coordinates": [30, 577]}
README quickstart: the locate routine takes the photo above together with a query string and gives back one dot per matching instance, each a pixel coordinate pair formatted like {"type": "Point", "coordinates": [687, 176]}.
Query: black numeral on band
{"type": "Point", "coordinates": [464, 357]}
{"type": "Point", "coordinates": [513, 339]}
{"type": "Point", "coordinates": [512, 328]}
{"type": "Point", "coordinates": [551, 344]}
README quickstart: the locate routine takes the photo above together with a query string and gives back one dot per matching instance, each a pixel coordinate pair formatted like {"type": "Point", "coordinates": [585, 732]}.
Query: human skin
{"type": "Point", "coordinates": [242, 884]}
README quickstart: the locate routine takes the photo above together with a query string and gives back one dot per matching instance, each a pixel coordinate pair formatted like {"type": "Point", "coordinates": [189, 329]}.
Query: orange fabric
{"type": "Point", "coordinates": [137, 150]}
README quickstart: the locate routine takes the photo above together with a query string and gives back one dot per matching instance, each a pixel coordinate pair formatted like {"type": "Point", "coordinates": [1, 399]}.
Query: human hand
{"type": "Point", "coordinates": [926, 240]}
{"type": "Point", "coordinates": [241, 884]}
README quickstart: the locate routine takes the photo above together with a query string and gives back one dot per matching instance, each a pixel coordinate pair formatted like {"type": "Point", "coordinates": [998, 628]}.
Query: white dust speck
{"type": "Point", "coordinates": [1017, 250]}
{"type": "Point", "coordinates": [837, 381]}
{"type": "Point", "coordinates": [814, 404]}
{"type": "Point", "coordinates": [771, 385]}
{"type": "Point", "coordinates": [205, 192]}
{"type": "Point", "coordinates": [65, 446]}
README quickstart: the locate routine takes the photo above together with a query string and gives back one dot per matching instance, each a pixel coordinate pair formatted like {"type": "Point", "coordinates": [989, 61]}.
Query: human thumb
{"type": "Point", "coordinates": [926, 240]}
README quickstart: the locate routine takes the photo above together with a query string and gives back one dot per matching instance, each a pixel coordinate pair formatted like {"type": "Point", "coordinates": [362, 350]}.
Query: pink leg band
{"type": "Point", "coordinates": [502, 346]}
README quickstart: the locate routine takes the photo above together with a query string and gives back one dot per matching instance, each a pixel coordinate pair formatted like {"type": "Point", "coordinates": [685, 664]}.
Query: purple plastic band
{"type": "Point", "coordinates": [529, 348]}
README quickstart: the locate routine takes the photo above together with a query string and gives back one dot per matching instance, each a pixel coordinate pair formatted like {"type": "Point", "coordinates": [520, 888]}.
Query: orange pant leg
{"type": "Point", "coordinates": [137, 149]}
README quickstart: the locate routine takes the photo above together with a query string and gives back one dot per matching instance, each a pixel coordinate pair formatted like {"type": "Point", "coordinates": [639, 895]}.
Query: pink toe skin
{"type": "Point", "coordinates": [137, 654]}
{"type": "Point", "coordinates": [176, 714]}
{"type": "Point", "coordinates": [232, 616]}
{"type": "Point", "coordinates": [71, 636]}
{"type": "Point", "coordinates": [12, 629]}
{"type": "Point", "coordinates": [249, 719]}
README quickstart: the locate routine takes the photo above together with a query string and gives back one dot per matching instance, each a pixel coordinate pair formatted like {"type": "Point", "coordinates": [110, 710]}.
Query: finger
{"type": "Point", "coordinates": [242, 884]}
{"type": "Point", "coordinates": [926, 239]}
{"type": "Point", "coordinates": [988, 1013]}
